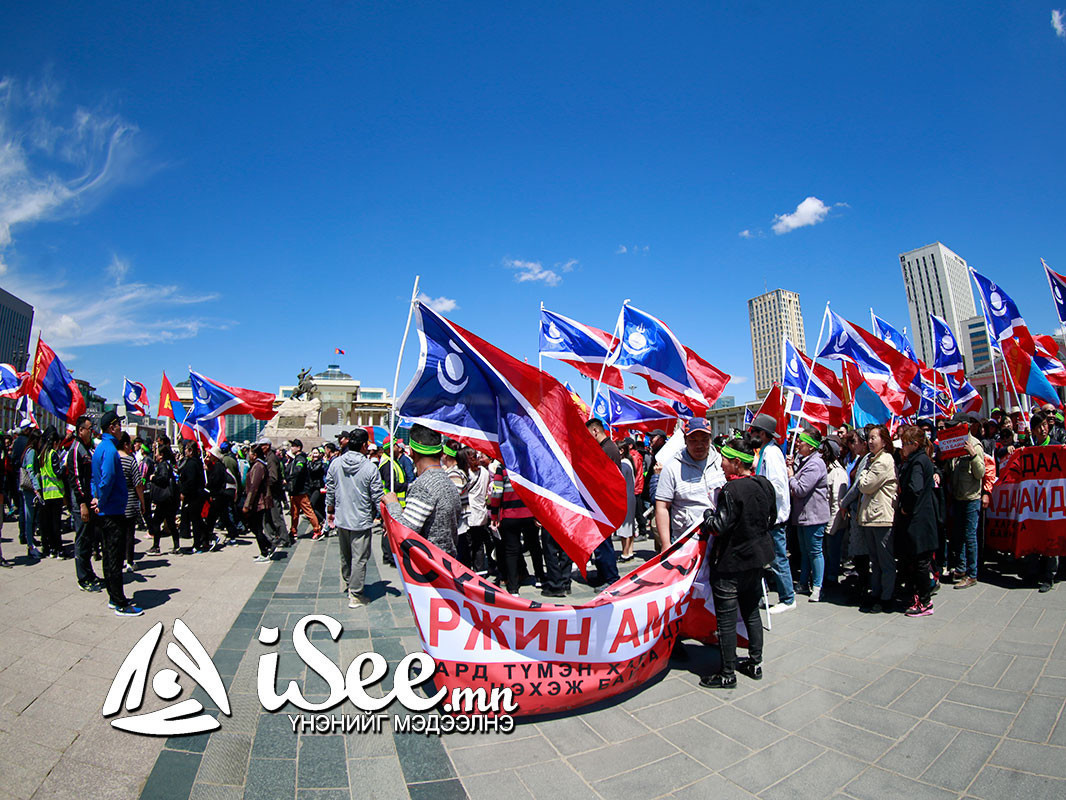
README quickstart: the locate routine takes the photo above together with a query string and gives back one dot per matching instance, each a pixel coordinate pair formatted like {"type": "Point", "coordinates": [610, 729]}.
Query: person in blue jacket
{"type": "Point", "coordinates": [109, 504]}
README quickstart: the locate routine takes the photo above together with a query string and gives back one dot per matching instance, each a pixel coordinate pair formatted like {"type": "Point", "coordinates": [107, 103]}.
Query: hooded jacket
{"type": "Point", "coordinates": [353, 490]}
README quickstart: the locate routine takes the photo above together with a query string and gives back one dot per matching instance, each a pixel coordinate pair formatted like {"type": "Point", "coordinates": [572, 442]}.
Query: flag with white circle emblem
{"type": "Point", "coordinates": [946, 354]}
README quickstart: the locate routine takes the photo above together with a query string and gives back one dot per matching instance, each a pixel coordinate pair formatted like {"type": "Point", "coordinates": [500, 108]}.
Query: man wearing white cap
{"type": "Point", "coordinates": [222, 492]}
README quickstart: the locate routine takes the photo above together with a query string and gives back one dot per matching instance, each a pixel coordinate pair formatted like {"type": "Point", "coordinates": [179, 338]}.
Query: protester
{"type": "Point", "coordinates": [837, 486]}
{"type": "Point", "coordinates": [1046, 566]}
{"type": "Point", "coordinates": [432, 508]}
{"type": "Point", "coordinates": [51, 509]}
{"type": "Point", "coordinates": [518, 531]}
{"type": "Point", "coordinates": [316, 486]}
{"type": "Point", "coordinates": [394, 479]}
{"type": "Point", "coordinates": [966, 475]}
{"type": "Point", "coordinates": [604, 556]}
{"type": "Point", "coordinates": [80, 470]}
{"type": "Point", "coordinates": [163, 490]}
{"type": "Point", "coordinates": [742, 548]}
{"type": "Point", "coordinates": [193, 494]}
{"type": "Point", "coordinates": [221, 495]}
{"type": "Point", "coordinates": [808, 491]}
{"type": "Point", "coordinates": [134, 496]}
{"type": "Point", "coordinates": [353, 492]}
{"type": "Point", "coordinates": [296, 482]}
{"type": "Point", "coordinates": [771, 465]}
{"type": "Point", "coordinates": [274, 518]}
{"type": "Point", "coordinates": [877, 485]}
{"type": "Point", "coordinates": [30, 486]}
{"type": "Point", "coordinates": [917, 520]}
{"type": "Point", "coordinates": [849, 510]}
{"type": "Point", "coordinates": [478, 518]}
{"type": "Point", "coordinates": [258, 499]}
{"type": "Point", "coordinates": [626, 531]}
{"type": "Point", "coordinates": [110, 496]}
{"type": "Point", "coordinates": [688, 484]}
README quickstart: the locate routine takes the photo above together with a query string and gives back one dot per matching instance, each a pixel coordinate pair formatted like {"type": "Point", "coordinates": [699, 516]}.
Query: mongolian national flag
{"type": "Point", "coordinates": [886, 371]}
{"type": "Point", "coordinates": [338, 352]}
{"type": "Point", "coordinates": [649, 348]}
{"type": "Point", "coordinates": [168, 402]}
{"type": "Point", "coordinates": [946, 354]}
{"type": "Point", "coordinates": [1057, 283]}
{"type": "Point", "coordinates": [622, 411]}
{"type": "Point", "coordinates": [1047, 359]}
{"type": "Point", "coordinates": [816, 394]}
{"type": "Point", "coordinates": [894, 337]}
{"type": "Point", "coordinates": [52, 387]}
{"type": "Point", "coordinates": [583, 407]}
{"type": "Point", "coordinates": [862, 406]}
{"type": "Point", "coordinates": [581, 346]}
{"type": "Point", "coordinates": [12, 382]}
{"type": "Point", "coordinates": [1002, 317]}
{"type": "Point", "coordinates": [469, 390]}
{"type": "Point", "coordinates": [1026, 375]}
{"type": "Point", "coordinates": [135, 397]}
{"type": "Point", "coordinates": [211, 399]}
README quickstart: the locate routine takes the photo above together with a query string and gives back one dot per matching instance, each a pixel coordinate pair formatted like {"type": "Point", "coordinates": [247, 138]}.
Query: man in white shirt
{"type": "Point", "coordinates": [771, 465]}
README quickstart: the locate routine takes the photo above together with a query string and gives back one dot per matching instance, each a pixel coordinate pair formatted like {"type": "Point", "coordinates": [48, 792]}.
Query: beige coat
{"type": "Point", "coordinates": [877, 483]}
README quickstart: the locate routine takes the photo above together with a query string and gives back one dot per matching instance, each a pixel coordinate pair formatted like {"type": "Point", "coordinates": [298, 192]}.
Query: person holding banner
{"type": "Point", "coordinates": [742, 548]}
{"type": "Point", "coordinates": [967, 472]}
{"type": "Point", "coordinates": [433, 506]}
{"type": "Point", "coordinates": [688, 484]}
{"type": "Point", "coordinates": [1046, 566]}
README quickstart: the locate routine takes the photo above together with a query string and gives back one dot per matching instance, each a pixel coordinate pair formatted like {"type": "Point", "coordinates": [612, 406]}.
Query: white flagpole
{"type": "Point", "coordinates": [1062, 322]}
{"type": "Point", "coordinates": [992, 345]}
{"type": "Point", "coordinates": [540, 355]}
{"type": "Point", "coordinates": [810, 376]}
{"type": "Point", "coordinates": [616, 332]}
{"type": "Point", "coordinates": [393, 422]}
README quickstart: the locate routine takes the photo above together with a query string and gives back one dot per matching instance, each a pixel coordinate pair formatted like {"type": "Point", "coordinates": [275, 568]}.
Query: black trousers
{"type": "Point", "coordinates": [191, 517]}
{"type": "Point", "coordinates": [557, 564]}
{"type": "Point", "coordinates": [481, 546]}
{"type": "Point", "coordinates": [85, 534]}
{"type": "Point", "coordinates": [917, 571]}
{"type": "Point", "coordinates": [516, 535]}
{"type": "Point", "coordinates": [113, 532]}
{"type": "Point", "coordinates": [254, 520]}
{"type": "Point", "coordinates": [164, 516]}
{"type": "Point", "coordinates": [131, 535]}
{"type": "Point", "coordinates": [733, 590]}
{"type": "Point", "coordinates": [219, 509]}
{"type": "Point", "coordinates": [50, 515]}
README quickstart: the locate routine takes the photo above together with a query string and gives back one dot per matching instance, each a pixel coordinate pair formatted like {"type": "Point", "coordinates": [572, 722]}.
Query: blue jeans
{"type": "Point", "coordinates": [782, 570]}
{"type": "Point", "coordinates": [28, 518]}
{"type": "Point", "coordinates": [966, 513]}
{"type": "Point", "coordinates": [606, 560]}
{"type": "Point", "coordinates": [811, 561]}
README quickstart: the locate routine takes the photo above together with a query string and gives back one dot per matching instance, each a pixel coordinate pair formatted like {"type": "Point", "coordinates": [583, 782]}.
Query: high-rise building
{"type": "Point", "coordinates": [774, 316]}
{"type": "Point", "coordinates": [16, 317]}
{"type": "Point", "coordinates": [937, 282]}
{"type": "Point", "coordinates": [977, 345]}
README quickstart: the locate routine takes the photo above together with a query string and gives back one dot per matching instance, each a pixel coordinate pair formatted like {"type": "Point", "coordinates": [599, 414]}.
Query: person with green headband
{"type": "Point", "coordinates": [809, 492]}
{"type": "Point", "coordinates": [433, 507]}
{"type": "Point", "coordinates": [741, 550]}
{"type": "Point", "coordinates": [1045, 567]}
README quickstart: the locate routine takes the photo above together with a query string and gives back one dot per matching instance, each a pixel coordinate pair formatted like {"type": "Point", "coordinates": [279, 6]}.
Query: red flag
{"type": "Point", "coordinates": [52, 387]}
{"type": "Point", "coordinates": [774, 405]}
{"type": "Point", "coordinates": [167, 398]}
{"type": "Point", "coordinates": [337, 351]}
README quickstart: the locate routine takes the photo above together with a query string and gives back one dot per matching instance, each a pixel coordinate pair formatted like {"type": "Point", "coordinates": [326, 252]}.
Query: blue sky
{"type": "Point", "coordinates": [245, 188]}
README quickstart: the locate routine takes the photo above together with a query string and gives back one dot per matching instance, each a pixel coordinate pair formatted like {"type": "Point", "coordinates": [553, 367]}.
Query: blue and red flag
{"type": "Point", "coordinates": [583, 347]}
{"type": "Point", "coordinates": [1026, 375]}
{"type": "Point", "coordinates": [963, 395]}
{"type": "Point", "coordinates": [885, 370]}
{"type": "Point", "coordinates": [1002, 317]}
{"type": "Point", "coordinates": [582, 406]}
{"type": "Point", "coordinates": [469, 390]}
{"type": "Point", "coordinates": [135, 396]}
{"type": "Point", "coordinates": [896, 338]}
{"type": "Point", "coordinates": [13, 383]}
{"type": "Point", "coordinates": [24, 411]}
{"type": "Point", "coordinates": [816, 394]}
{"type": "Point", "coordinates": [773, 405]}
{"type": "Point", "coordinates": [337, 351]}
{"type": "Point", "coordinates": [946, 354]}
{"type": "Point", "coordinates": [622, 411]}
{"type": "Point", "coordinates": [211, 399]}
{"type": "Point", "coordinates": [1047, 360]}
{"type": "Point", "coordinates": [206, 431]}
{"type": "Point", "coordinates": [1057, 283]}
{"type": "Point", "coordinates": [649, 348]}
{"type": "Point", "coordinates": [52, 387]}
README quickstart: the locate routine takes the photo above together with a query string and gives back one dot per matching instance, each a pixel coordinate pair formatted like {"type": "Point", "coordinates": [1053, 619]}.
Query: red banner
{"type": "Point", "coordinates": [1027, 512]}
{"type": "Point", "coordinates": [553, 656]}
{"type": "Point", "coordinates": [952, 441]}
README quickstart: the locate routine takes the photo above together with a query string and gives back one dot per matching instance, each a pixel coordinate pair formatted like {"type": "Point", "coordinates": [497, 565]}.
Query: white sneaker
{"type": "Point", "coordinates": [261, 559]}
{"type": "Point", "coordinates": [356, 601]}
{"type": "Point", "coordinates": [778, 608]}
{"type": "Point", "coordinates": [816, 595]}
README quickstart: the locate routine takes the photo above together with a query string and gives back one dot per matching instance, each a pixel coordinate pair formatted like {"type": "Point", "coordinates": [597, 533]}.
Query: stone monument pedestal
{"type": "Point", "coordinates": [296, 419]}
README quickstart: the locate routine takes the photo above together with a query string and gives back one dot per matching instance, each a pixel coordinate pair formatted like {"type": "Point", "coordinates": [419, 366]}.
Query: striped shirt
{"type": "Point", "coordinates": [132, 472]}
{"type": "Point", "coordinates": [432, 509]}
{"type": "Point", "coordinates": [504, 500]}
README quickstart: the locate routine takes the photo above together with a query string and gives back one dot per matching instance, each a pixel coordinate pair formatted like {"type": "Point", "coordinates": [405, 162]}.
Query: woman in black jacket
{"type": "Point", "coordinates": [742, 548]}
{"type": "Point", "coordinates": [916, 529]}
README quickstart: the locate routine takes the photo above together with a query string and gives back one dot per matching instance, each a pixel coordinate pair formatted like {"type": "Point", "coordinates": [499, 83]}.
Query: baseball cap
{"type": "Point", "coordinates": [343, 435]}
{"type": "Point", "coordinates": [108, 418]}
{"type": "Point", "coordinates": [658, 432]}
{"type": "Point", "coordinates": [697, 424]}
{"type": "Point", "coordinates": [262, 440]}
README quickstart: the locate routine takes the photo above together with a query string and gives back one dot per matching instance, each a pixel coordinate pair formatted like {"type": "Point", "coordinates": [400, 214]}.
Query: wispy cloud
{"type": "Point", "coordinates": [535, 271]}
{"type": "Point", "coordinates": [621, 250]}
{"type": "Point", "coordinates": [1058, 23]}
{"type": "Point", "coordinates": [442, 305]}
{"type": "Point", "coordinates": [54, 160]}
{"type": "Point", "coordinates": [746, 234]}
{"type": "Point", "coordinates": [738, 378]}
{"type": "Point", "coordinates": [810, 212]}
{"type": "Point", "coordinates": [633, 248]}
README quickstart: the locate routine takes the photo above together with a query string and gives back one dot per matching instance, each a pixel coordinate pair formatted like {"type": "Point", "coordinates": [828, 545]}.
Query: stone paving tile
{"type": "Point", "coordinates": [819, 778]}
{"type": "Point", "coordinates": [670, 711]}
{"type": "Point", "coordinates": [503, 755]}
{"type": "Point", "coordinates": [989, 669]}
{"type": "Point", "coordinates": [705, 744]}
{"type": "Point", "coordinates": [847, 739]}
{"type": "Point", "coordinates": [1038, 759]}
{"type": "Point", "coordinates": [570, 735]}
{"type": "Point", "coordinates": [983, 697]}
{"type": "Point", "coordinates": [713, 786]}
{"type": "Point", "coordinates": [225, 759]}
{"type": "Point", "coordinates": [494, 785]}
{"type": "Point", "coordinates": [617, 758]}
{"type": "Point", "coordinates": [972, 718]}
{"type": "Point", "coordinates": [912, 754]}
{"type": "Point", "coordinates": [769, 765]}
{"type": "Point", "coordinates": [805, 708]}
{"type": "Point", "coordinates": [877, 720]}
{"type": "Point", "coordinates": [888, 687]}
{"type": "Point", "coordinates": [877, 784]}
{"type": "Point", "coordinates": [994, 783]}
{"type": "Point", "coordinates": [270, 779]}
{"type": "Point", "coordinates": [742, 727]}
{"type": "Point", "coordinates": [654, 779]}
{"type": "Point", "coordinates": [955, 767]}
{"type": "Point", "coordinates": [922, 696]}
{"type": "Point", "coordinates": [376, 779]}
{"type": "Point", "coordinates": [553, 781]}
{"type": "Point", "coordinates": [1037, 718]}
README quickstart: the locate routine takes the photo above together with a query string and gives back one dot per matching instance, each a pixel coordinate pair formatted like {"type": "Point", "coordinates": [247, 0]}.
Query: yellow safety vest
{"type": "Point", "coordinates": [400, 478]}
{"type": "Point", "coordinates": [51, 485]}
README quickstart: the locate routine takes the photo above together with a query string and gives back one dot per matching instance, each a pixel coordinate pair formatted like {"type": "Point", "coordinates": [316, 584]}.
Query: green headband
{"type": "Point", "coordinates": [729, 452]}
{"type": "Point", "coordinates": [448, 451]}
{"type": "Point", "coordinates": [806, 438]}
{"type": "Point", "coordinates": [426, 449]}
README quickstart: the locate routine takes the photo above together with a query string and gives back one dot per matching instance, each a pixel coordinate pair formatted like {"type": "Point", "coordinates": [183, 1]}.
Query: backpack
{"type": "Point", "coordinates": [162, 484]}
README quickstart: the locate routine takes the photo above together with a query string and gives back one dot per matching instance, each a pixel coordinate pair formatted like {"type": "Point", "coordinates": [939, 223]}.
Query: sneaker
{"type": "Point", "coordinates": [53, 555]}
{"type": "Point", "coordinates": [216, 545]}
{"type": "Point", "coordinates": [555, 593]}
{"type": "Point", "coordinates": [718, 681]}
{"type": "Point", "coordinates": [317, 535]}
{"type": "Point", "coordinates": [153, 551]}
{"type": "Point", "coordinates": [752, 669]}
{"type": "Point", "coordinates": [176, 551]}
{"type": "Point", "coordinates": [356, 601]}
{"type": "Point", "coordinates": [261, 559]}
{"type": "Point", "coordinates": [780, 608]}
{"type": "Point", "coordinates": [875, 608]}
{"type": "Point", "coordinates": [966, 583]}
{"type": "Point", "coordinates": [89, 587]}
{"type": "Point", "coordinates": [1045, 587]}
{"type": "Point", "coordinates": [129, 568]}
{"type": "Point", "coordinates": [920, 609]}
{"type": "Point", "coordinates": [128, 610]}
{"type": "Point", "coordinates": [816, 595]}
{"type": "Point", "coordinates": [34, 553]}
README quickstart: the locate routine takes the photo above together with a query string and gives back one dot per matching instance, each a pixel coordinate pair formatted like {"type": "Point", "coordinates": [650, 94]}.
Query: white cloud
{"type": "Point", "coordinates": [746, 234]}
{"type": "Point", "coordinates": [621, 250]}
{"type": "Point", "coordinates": [810, 212]}
{"type": "Point", "coordinates": [442, 305]}
{"type": "Point", "coordinates": [118, 269]}
{"type": "Point", "coordinates": [55, 161]}
{"type": "Point", "coordinates": [636, 248]}
{"type": "Point", "coordinates": [1058, 23]}
{"type": "Point", "coordinates": [536, 271]}
{"type": "Point", "coordinates": [738, 379]}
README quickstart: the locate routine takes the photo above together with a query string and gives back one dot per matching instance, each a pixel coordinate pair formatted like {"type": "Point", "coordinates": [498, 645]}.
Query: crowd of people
{"type": "Point", "coordinates": [869, 516]}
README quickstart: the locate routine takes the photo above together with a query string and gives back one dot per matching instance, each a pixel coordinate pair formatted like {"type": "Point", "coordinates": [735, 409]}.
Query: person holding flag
{"type": "Point", "coordinates": [966, 476]}
{"type": "Point", "coordinates": [771, 465]}
{"type": "Point", "coordinates": [135, 396]}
